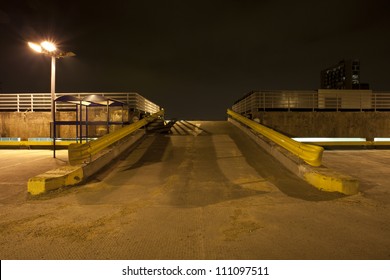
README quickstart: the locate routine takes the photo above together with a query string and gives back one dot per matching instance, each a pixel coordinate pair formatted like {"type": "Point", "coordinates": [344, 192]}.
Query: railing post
{"type": "Point", "coordinates": [312, 101]}
{"type": "Point", "coordinates": [288, 102]}
{"type": "Point", "coordinates": [17, 103]}
{"type": "Point", "coordinates": [32, 102]}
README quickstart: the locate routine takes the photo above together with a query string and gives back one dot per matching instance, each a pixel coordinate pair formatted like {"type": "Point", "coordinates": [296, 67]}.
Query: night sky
{"type": "Point", "coordinates": [192, 57]}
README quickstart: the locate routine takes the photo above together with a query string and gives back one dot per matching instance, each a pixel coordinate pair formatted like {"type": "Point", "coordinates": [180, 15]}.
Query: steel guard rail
{"type": "Point", "coordinates": [80, 153]}
{"type": "Point", "coordinates": [311, 154]}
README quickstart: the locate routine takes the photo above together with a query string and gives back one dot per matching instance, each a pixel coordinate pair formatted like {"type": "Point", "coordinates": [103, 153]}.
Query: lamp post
{"type": "Point", "coordinates": [50, 49]}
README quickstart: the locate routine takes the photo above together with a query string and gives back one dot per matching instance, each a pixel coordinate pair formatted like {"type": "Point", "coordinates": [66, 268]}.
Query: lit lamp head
{"type": "Point", "coordinates": [48, 46]}
{"type": "Point", "coordinates": [50, 49]}
{"type": "Point", "coordinates": [35, 47]}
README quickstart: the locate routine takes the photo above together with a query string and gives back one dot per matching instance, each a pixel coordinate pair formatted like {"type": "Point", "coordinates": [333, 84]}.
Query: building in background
{"type": "Point", "coordinates": [344, 75]}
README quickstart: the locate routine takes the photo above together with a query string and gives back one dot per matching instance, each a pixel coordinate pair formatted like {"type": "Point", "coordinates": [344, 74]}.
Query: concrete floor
{"type": "Point", "coordinates": [19, 165]}
{"type": "Point", "coordinates": [204, 192]}
{"type": "Point", "coordinates": [371, 167]}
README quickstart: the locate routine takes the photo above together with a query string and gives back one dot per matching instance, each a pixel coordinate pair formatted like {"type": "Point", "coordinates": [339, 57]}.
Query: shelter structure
{"type": "Point", "coordinates": [82, 105]}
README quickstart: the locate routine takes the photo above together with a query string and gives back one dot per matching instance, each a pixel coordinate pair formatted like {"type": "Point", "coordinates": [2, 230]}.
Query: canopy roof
{"type": "Point", "coordinates": [90, 100]}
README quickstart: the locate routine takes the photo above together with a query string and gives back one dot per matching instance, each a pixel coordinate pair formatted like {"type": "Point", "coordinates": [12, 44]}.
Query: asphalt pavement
{"type": "Point", "coordinates": [206, 191]}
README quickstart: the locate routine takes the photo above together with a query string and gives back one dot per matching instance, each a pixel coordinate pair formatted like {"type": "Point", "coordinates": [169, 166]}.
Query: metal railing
{"type": "Point", "coordinates": [311, 154]}
{"type": "Point", "coordinates": [333, 100]}
{"type": "Point", "coordinates": [81, 153]}
{"type": "Point", "coordinates": [22, 102]}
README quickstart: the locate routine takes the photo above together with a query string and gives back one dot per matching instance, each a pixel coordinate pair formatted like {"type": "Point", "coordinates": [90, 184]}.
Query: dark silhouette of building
{"type": "Point", "coordinates": [344, 75]}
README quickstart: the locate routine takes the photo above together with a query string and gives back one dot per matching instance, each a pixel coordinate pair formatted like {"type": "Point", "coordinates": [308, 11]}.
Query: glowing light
{"type": "Point", "coordinates": [381, 139]}
{"type": "Point", "coordinates": [323, 139]}
{"type": "Point", "coordinates": [48, 46]}
{"type": "Point", "coordinates": [35, 47]}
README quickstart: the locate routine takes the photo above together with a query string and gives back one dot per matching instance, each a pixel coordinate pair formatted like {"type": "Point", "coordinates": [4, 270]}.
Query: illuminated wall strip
{"type": "Point", "coordinates": [324, 139]}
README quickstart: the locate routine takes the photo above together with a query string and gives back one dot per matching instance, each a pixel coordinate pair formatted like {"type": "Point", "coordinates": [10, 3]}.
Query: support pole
{"type": "Point", "coordinates": [53, 97]}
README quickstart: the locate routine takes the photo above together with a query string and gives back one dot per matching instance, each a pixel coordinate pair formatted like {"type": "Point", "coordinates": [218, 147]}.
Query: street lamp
{"type": "Point", "coordinates": [50, 49]}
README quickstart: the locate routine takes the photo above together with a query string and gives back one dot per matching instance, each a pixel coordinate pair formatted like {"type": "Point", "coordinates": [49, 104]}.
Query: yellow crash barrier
{"type": "Point", "coordinates": [81, 153]}
{"type": "Point", "coordinates": [311, 154]}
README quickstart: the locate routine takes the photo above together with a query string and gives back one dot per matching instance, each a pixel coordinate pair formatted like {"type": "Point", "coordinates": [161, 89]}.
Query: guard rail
{"type": "Point", "coordinates": [23, 102]}
{"type": "Point", "coordinates": [311, 154]}
{"type": "Point", "coordinates": [313, 100]}
{"type": "Point", "coordinates": [82, 153]}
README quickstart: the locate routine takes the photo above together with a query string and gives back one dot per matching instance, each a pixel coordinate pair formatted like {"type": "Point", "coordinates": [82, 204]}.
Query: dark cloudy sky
{"type": "Point", "coordinates": [192, 57]}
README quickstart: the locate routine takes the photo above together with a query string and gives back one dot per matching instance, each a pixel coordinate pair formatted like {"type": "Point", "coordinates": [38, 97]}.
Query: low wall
{"type": "Point", "coordinates": [294, 124]}
{"type": "Point", "coordinates": [328, 124]}
{"type": "Point", "coordinates": [37, 124]}
{"type": "Point", "coordinates": [25, 125]}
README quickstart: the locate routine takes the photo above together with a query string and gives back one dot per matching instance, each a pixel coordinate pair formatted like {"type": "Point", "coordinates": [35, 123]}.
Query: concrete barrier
{"type": "Point", "coordinates": [54, 179]}
{"type": "Point", "coordinates": [321, 177]}
{"type": "Point", "coordinates": [83, 153]}
{"type": "Point", "coordinates": [76, 174]}
{"type": "Point", "coordinates": [311, 154]}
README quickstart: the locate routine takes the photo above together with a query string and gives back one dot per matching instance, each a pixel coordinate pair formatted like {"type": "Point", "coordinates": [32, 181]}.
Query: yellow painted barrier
{"type": "Point", "coordinates": [311, 154]}
{"type": "Point", "coordinates": [46, 144]}
{"type": "Point", "coordinates": [332, 182]}
{"type": "Point", "coordinates": [54, 179]}
{"type": "Point", "coordinates": [80, 153]}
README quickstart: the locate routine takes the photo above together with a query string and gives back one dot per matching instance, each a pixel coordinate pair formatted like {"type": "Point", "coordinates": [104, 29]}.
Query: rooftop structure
{"type": "Point", "coordinates": [344, 75]}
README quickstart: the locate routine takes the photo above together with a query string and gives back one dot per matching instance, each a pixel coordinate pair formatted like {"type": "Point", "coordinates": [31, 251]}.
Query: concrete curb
{"type": "Point", "coordinates": [54, 179]}
{"type": "Point", "coordinates": [322, 178]}
{"type": "Point", "coordinates": [74, 175]}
